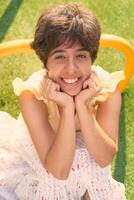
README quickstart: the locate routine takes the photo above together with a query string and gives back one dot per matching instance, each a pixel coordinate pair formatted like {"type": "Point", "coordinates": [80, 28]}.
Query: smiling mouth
{"type": "Point", "coordinates": [71, 81]}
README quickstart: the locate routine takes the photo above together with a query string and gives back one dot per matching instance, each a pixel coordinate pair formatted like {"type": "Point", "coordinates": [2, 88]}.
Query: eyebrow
{"type": "Point", "coordinates": [63, 51]}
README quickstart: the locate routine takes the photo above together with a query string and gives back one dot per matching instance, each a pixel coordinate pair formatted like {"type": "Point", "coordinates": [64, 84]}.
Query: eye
{"type": "Point", "coordinates": [59, 57]}
{"type": "Point", "coordinates": [82, 55]}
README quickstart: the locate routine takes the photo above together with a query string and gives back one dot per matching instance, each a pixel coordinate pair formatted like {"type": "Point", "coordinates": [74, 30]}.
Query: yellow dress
{"type": "Point", "coordinates": [22, 176]}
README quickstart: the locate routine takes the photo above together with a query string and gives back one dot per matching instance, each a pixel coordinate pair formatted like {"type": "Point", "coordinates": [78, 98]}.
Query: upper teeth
{"type": "Point", "coordinates": [70, 80]}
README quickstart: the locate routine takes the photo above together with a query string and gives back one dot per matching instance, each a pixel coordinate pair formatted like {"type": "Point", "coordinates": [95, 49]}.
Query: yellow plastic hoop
{"type": "Point", "coordinates": [123, 46]}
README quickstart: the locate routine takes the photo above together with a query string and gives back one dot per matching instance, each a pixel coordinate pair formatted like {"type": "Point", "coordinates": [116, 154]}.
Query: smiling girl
{"type": "Point", "coordinates": [66, 136]}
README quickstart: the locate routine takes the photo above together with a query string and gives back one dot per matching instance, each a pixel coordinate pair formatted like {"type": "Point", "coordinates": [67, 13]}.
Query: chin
{"type": "Point", "coordinates": [73, 93]}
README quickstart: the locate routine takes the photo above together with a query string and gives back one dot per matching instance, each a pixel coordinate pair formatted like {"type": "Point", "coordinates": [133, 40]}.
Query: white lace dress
{"type": "Point", "coordinates": [22, 176]}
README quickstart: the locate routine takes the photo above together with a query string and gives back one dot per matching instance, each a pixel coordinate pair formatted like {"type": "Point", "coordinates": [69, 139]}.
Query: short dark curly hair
{"type": "Point", "coordinates": [66, 23]}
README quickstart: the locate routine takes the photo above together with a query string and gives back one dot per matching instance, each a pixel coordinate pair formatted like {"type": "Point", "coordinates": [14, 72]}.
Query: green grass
{"type": "Point", "coordinates": [18, 20]}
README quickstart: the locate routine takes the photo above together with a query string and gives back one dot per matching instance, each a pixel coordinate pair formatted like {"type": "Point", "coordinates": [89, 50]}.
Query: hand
{"type": "Point", "coordinates": [51, 91]}
{"type": "Point", "coordinates": [90, 88]}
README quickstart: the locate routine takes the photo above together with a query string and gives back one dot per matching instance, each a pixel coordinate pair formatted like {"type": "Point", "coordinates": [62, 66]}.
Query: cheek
{"type": "Point", "coordinates": [87, 72]}
{"type": "Point", "coordinates": [53, 73]}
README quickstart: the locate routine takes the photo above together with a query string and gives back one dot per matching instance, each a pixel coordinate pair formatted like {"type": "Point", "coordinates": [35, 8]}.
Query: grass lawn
{"type": "Point", "coordinates": [17, 21]}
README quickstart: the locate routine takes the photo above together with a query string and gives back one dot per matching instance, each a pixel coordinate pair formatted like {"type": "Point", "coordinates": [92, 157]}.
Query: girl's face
{"type": "Point", "coordinates": [69, 67]}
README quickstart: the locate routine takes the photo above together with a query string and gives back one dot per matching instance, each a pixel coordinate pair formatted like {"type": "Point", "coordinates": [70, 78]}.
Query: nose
{"type": "Point", "coordinates": [71, 67]}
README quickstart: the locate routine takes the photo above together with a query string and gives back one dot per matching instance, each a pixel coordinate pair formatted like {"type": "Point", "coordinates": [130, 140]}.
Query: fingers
{"type": "Point", "coordinates": [94, 77]}
{"type": "Point", "coordinates": [86, 84]}
{"type": "Point", "coordinates": [49, 87]}
{"type": "Point", "coordinates": [92, 83]}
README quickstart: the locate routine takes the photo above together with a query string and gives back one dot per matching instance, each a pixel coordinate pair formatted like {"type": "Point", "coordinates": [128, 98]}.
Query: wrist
{"type": "Point", "coordinates": [84, 106]}
{"type": "Point", "coordinates": [70, 108]}
{"type": "Point", "coordinates": [79, 103]}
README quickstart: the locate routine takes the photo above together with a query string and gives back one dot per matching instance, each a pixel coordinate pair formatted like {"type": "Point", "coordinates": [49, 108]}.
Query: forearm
{"type": "Point", "coordinates": [61, 153]}
{"type": "Point", "coordinates": [99, 144]}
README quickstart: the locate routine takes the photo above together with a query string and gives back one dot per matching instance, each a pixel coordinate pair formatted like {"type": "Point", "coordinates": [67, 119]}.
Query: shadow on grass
{"type": "Point", "coordinates": [8, 17]}
{"type": "Point", "coordinates": [120, 162]}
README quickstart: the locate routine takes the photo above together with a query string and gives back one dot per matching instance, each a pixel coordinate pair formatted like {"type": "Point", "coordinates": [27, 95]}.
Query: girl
{"type": "Point", "coordinates": [62, 144]}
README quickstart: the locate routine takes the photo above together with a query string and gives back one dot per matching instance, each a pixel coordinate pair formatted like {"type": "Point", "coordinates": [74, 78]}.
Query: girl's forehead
{"type": "Point", "coordinates": [68, 47]}
{"type": "Point", "coordinates": [69, 43]}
